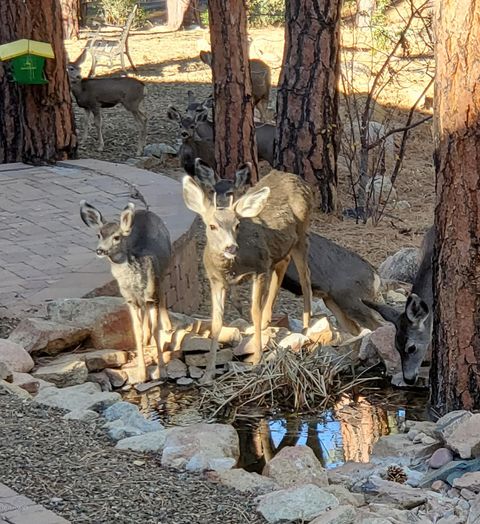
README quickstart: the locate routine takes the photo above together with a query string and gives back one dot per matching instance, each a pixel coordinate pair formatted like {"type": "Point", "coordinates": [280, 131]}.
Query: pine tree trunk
{"type": "Point", "coordinates": [232, 85]}
{"type": "Point", "coordinates": [307, 104]}
{"type": "Point", "coordinates": [36, 121]}
{"type": "Point", "coordinates": [455, 373]}
{"type": "Point", "coordinates": [70, 18]}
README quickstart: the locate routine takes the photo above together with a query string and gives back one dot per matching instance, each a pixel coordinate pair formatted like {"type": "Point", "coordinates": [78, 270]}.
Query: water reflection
{"type": "Point", "coordinates": [347, 432]}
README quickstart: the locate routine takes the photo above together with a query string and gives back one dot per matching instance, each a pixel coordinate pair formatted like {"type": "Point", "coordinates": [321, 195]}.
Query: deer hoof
{"type": "Point", "coordinates": [253, 359]}
{"type": "Point", "coordinates": [207, 378]}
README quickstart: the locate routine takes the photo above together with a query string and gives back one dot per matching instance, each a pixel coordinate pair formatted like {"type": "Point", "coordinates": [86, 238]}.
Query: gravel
{"type": "Point", "coordinates": [72, 468]}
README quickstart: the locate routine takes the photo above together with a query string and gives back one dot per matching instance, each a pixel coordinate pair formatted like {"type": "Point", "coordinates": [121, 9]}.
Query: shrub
{"type": "Point", "coordinates": [263, 13]}
{"type": "Point", "coordinates": [116, 12]}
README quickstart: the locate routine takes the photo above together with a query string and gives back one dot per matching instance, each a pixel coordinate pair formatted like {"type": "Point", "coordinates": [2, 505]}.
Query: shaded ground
{"type": "Point", "coordinates": [85, 480]}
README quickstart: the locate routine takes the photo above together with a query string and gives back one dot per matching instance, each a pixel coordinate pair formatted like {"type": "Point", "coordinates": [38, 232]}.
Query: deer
{"type": "Point", "coordinates": [413, 325]}
{"type": "Point", "coordinates": [261, 82]}
{"type": "Point", "coordinates": [94, 94]}
{"type": "Point", "coordinates": [254, 238]}
{"type": "Point", "coordinates": [138, 248]}
{"type": "Point", "coordinates": [339, 276]}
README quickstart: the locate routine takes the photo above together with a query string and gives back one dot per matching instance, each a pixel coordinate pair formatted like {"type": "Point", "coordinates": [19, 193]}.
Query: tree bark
{"type": "Point", "coordinates": [455, 373]}
{"type": "Point", "coordinates": [307, 140]}
{"type": "Point", "coordinates": [36, 121]}
{"type": "Point", "coordinates": [70, 18]}
{"type": "Point", "coordinates": [232, 86]}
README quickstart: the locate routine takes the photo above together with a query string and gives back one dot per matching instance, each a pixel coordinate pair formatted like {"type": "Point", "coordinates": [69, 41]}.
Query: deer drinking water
{"type": "Point", "coordinates": [254, 237]}
{"type": "Point", "coordinates": [139, 250]}
{"type": "Point", "coordinates": [93, 94]}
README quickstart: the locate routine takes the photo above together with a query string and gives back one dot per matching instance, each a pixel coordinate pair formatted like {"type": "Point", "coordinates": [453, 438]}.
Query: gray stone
{"type": "Point", "coordinates": [395, 298]}
{"type": "Point", "coordinates": [43, 336]}
{"type": "Point", "coordinates": [105, 358]}
{"type": "Point", "coordinates": [294, 341]}
{"type": "Point", "coordinates": [102, 379]}
{"type": "Point", "coordinates": [344, 496]}
{"type": "Point", "coordinates": [296, 465]}
{"type": "Point", "coordinates": [15, 357]}
{"type": "Point", "coordinates": [424, 426]}
{"type": "Point", "coordinates": [83, 311]}
{"type": "Point", "coordinates": [120, 410]}
{"type": "Point", "coordinates": [398, 495]}
{"type": "Point", "coordinates": [201, 360]}
{"type": "Point", "coordinates": [401, 266]}
{"type": "Point", "coordinates": [469, 481]}
{"type": "Point", "coordinates": [302, 502]}
{"type": "Point", "coordinates": [184, 381]}
{"type": "Point", "coordinates": [401, 447]}
{"type": "Point", "coordinates": [83, 396]}
{"type": "Point", "coordinates": [158, 150]}
{"type": "Point", "coordinates": [382, 342]}
{"type": "Point", "coordinates": [474, 514]}
{"type": "Point", "coordinates": [196, 343]}
{"type": "Point", "coordinates": [195, 372]}
{"type": "Point", "coordinates": [152, 441]}
{"type": "Point", "coordinates": [5, 372]}
{"type": "Point", "coordinates": [176, 369]}
{"type": "Point", "coordinates": [465, 438]}
{"type": "Point", "coordinates": [351, 473]}
{"type": "Point", "coordinates": [201, 447]}
{"type": "Point", "coordinates": [447, 424]}
{"type": "Point", "coordinates": [28, 383]}
{"type": "Point", "coordinates": [125, 420]}
{"type": "Point", "coordinates": [467, 494]}
{"type": "Point", "coordinates": [145, 386]}
{"type": "Point", "coordinates": [85, 415]}
{"type": "Point", "coordinates": [344, 514]}
{"type": "Point", "coordinates": [14, 390]}
{"type": "Point", "coordinates": [67, 373]}
{"type": "Point", "coordinates": [243, 481]}
{"type": "Point", "coordinates": [440, 457]}
{"type": "Point", "coordinates": [117, 377]}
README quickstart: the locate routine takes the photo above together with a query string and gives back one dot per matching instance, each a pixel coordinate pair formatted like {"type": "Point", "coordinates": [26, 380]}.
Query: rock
{"type": "Point", "coordinates": [320, 331]}
{"type": "Point", "coordinates": [83, 396]}
{"type": "Point", "coordinates": [439, 486]}
{"type": "Point", "coordinates": [5, 372]}
{"type": "Point", "coordinates": [152, 441]}
{"type": "Point", "coordinates": [84, 311]}
{"type": "Point", "coordinates": [392, 514]}
{"type": "Point", "coordinates": [15, 357]}
{"type": "Point", "coordinates": [67, 373]}
{"type": "Point", "coordinates": [465, 438]}
{"type": "Point", "coordinates": [28, 383]}
{"type": "Point", "coordinates": [470, 481]}
{"type": "Point", "coordinates": [344, 514]}
{"type": "Point", "coordinates": [243, 481]}
{"type": "Point", "coordinates": [44, 336]}
{"type": "Point", "coordinates": [447, 424]}
{"type": "Point", "coordinates": [158, 150]}
{"type": "Point", "coordinates": [105, 358]}
{"type": "Point", "coordinates": [474, 513]}
{"type": "Point", "coordinates": [85, 415]}
{"type": "Point", "coordinates": [117, 377]}
{"type": "Point", "coordinates": [125, 420]}
{"type": "Point", "coordinates": [176, 369]}
{"type": "Point", "coordinates": [241, 324]}
{"type": "Point", "coordinates": [102, 379]}
{"type": "Point", "coordinates": [344, 496]}
{"type": "Point", "coordinates": [382, 342]}
{"type": "Point", "coordinates": [294, 341]}
{"type": "Point", "coordinates": [145, 386]}
{"type": "Point", "coordinates": [113, 330]}
{"type": "Point", "coordinates": [423, 426]}
{"type": "Point", "coordinates": [350, 473]}
{"type": "Point", "coordinates": [13, 389]}
{"type": "Point", "coordinates": [184, 381]}
{"type": "Point", "coordinates": [401, 266]}
{"type": "Point", "coordinates": [120, 410]}
{"type": "Point", "coordinates": [195, 372]}
{"type": "Point", "coordinates": [195, 343]}
{"type": "Point", "coordinates": [296, 465]}
{"type": "Point", "coordinates": [302, 502]}
{"type": "Point", "coordinates": [201, 447]}
{"type": "Point", "coordinates": [440, 457]}
{"type": "Point", "coordinates": [467, 494]}
{"type": "Point", "coordinates": [295, 325]}
{"type": "Point", "coordinates": [398, 495]}
{"type": "Point", "coordinates": [145, 162]}
{"type": "Point", "coordinates": [200, 361]}
{"type": "Point", "coordinates": [403, 448]}
{"type": "Point", "coordinates": [398, 299]}
{"type": "Point", "coordinates": [451, 471]}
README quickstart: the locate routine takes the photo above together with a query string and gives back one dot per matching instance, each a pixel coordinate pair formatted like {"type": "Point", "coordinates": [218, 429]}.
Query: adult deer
{"type": "Point", "coordinates": [254, 237]}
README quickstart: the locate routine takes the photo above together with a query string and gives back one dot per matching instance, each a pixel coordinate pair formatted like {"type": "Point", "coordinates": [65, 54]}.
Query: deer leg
{"type": "Point", "coordinates": [141, 119]}
{"type": "Point", "coordinates": [344, 322]}
{"type": "Point", "coordinates": [122, 61]}
{"type": "Point", "coordinates": [147, 325]}
{"type": "Point", "coordinates": [162, 333]}
{"type": "Point", "coordinates": [137, 320]}
{"type": "Point", "coordinates": [262, 106]}
{"type": "Point", "coordinates": [258, 294]}
{"type": "Point", "coordinates": [300, 258]}
{"type": "Point", "coordinates": [86, 124]}
{"type": "Point", "coordinates": [97, 119]}
{"type": "Point", "coordinates": [275, 283]}
{"type": "Point", "coordinates": [218, 306]}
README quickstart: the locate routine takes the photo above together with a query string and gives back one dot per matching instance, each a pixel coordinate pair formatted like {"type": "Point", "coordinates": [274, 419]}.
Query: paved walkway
{"type": "Point", "coordinates": [17, 509]}
{"type": "Point", "coordinates": [46, 251]}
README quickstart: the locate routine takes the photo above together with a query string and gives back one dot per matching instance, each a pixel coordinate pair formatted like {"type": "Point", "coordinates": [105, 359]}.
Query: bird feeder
{"type": "Point", "coordinates": [28, 60]}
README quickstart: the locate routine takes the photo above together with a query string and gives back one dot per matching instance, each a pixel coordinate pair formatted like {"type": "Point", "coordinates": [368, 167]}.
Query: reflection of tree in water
{"type": "Point", "coordinates": [361, 426]}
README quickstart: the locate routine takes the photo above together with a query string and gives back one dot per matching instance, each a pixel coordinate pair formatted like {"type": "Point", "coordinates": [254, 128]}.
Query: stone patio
{"type": "Point", "coordinates": [46, 251]}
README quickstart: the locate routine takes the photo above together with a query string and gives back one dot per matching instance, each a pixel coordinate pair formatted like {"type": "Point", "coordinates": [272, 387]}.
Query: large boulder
{"type": "Point", "coordinates": [302, 503]}
{"type": "Point", "coordinates": [44, 336]}
{"type": "Point", "coordinates": [461, 433]}
{"type": "Point", "coordinates": [201, 447]}
{"type": "Point", "coordinates": [15, 356]}
{"type": "Point", "coordinates": [401, 266]}
{"type": "Point", "coordinates": [380, 346]}
{"type": "Point", "coordinates": [296, 465]}
{"type": "Point", "coordinates": [83, 396]}
{"type": "Point", "coordinates": [403, 449]}
{"type": "Point", "coordinates": [125, 420]}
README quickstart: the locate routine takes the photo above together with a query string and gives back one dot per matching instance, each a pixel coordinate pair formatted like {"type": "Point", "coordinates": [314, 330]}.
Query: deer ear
{"type": "Point", "coordinates": [208, 103]}
{"type": "Point", "coordinates": [204, 173]}
{"type": "Point", "coordinates": [206, 57]}
{"type": "Point", "coordinates": [252, 204]}
{"type": "Point", "coordinates": [416, 309]}
{"type": "Point", "coordinates": [389, 313]}
{"type": "Point", "coordinates": [201, 115]}
{"type": "Point", "coordinates": [173, 114]}
{"type": "Point", "coordinates": [190, 97]}
{"type": "Point", "coordinates": [243, 176]}
{"type": "Point", "coordinates": [194, 196]}
{"type": "Point", "coordinates": [81, 58]}
{"type": "Point", "coordinates": [126, 219]}
{"type": "Point", "coordinates": [90, 215]}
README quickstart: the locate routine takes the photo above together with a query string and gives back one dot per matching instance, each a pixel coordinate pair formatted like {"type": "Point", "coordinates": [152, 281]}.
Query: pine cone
{"type": "Point", "coordinates": [396, 474]}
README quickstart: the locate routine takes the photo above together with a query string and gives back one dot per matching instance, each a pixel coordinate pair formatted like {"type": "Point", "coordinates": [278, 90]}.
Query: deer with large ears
{"type": "Point", "coordinates": [138, 248]}
{"type": "Point", "coordinates": [254, 237]}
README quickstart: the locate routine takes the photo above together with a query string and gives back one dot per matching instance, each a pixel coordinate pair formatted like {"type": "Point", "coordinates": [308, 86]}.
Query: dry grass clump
{"type": "Point", "coordinates": [303, 381]}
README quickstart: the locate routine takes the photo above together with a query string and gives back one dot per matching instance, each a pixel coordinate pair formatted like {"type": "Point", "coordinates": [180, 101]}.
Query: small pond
{"type": "Point", "coordinates": [345, 432]}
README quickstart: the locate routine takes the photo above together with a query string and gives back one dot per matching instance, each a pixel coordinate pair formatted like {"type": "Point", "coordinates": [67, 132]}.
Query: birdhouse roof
{"type": "Point", "coordinates": [25, 47]}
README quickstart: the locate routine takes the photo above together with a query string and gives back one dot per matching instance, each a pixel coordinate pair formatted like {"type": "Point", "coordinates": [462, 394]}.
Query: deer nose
{"type": "Point", "coordinates": [232, 249]}
{"type": "Point", "coordinates": [100, 252]}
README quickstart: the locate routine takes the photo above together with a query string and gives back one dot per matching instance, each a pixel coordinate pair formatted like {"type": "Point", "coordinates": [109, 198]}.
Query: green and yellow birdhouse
{"type": "Point", "coordinates": [28, 60]}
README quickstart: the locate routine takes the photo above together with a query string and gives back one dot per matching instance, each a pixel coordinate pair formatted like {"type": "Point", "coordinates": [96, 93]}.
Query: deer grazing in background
{"type": "Point", "coordinates": [94, 94]}
{"type": "Point", "coordinates": [414, 324]}
{"type": "Point", "coordinates": [261, 82]}
{"type": "Point", "coordinates": [339, 276]}
{"type": "Point", "coordinates": [254, 237]}
{"type": "Point", "coordinates": [139, 250]}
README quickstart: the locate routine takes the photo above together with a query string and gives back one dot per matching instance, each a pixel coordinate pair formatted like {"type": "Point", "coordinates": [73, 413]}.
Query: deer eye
{"type": "Point", "coordinates": [213, 227]}
{"type": "Point", "coordinates": [116, 238]}
{"type": "Point", "coordinates": [411, 349]}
